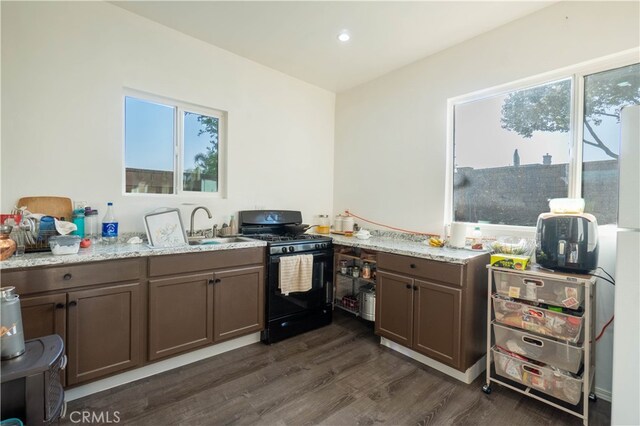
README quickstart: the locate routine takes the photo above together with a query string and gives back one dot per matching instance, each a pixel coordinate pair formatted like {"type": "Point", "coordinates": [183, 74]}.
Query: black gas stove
{"type": "Point", "coordinates": [290, 314]}
{"type": "Point", "coordinates": [275, 227]}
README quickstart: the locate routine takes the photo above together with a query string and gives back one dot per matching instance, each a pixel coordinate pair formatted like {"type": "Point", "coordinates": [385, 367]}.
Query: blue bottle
{"type": "Point", "coordinates": [109, 226]}
{"type": "Point", "coordinates": [78, 220]}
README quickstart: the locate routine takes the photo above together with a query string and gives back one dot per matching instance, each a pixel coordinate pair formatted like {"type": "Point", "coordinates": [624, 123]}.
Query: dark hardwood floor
{"type": "Point", "coordinates": [337, 375]}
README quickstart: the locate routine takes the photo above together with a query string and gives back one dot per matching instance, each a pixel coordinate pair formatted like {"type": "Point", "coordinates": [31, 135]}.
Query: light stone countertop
{"type": "Point", "coordinates": [120, 250]}
{"type": "Point", "coordinates": [388, 242]}
{"type": "Point", "coordinates": [408, 246]}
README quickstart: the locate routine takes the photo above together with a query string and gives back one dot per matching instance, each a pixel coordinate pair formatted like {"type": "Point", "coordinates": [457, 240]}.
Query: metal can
{"type": "Point", "coordinates": [12, 334]}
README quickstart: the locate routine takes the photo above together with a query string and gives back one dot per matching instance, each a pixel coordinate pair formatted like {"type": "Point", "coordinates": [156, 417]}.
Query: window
{"type": "Point", "coordinates": [605, 93]}
{"type": "Point", "coordinates": [514, 150]}
{"type": "Point", "coordinates": [171, 147]}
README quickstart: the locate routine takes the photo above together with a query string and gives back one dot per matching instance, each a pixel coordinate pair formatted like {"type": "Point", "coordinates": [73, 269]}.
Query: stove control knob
{"type": "Point", "coordinates": [324, 245]}
{"type": "Point", "coordinates": [291, 249]}
{"type": "Point", "coordinates": [284, 249]}
{"type": "Point", "coordinates": [317, 246]}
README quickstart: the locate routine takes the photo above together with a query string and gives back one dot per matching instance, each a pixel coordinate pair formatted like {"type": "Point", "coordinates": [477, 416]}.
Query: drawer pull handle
{"type": "Point", "coordinates": [538, 283]}
{"type": "Point", "coordinates": [73, 303]}
{"type": "Point", "coordinates": [409, 286]}
{"type": "Point", "coordinates": [532, 341]}
{"type": "Point", "coordinates": [415, 287]}
{"type": "Point", "coordinates": [66, 277]}
{"type": "Point", "coordinates": [59, 305]}
{"type": "Point", "coordinates": [217, 280]}
{"type": "Point", "coordinates": [64, 362]}
{"type": "Point", "coordinates": [412, 266]}
{"type": "Point", "coordinates": [531, 370]}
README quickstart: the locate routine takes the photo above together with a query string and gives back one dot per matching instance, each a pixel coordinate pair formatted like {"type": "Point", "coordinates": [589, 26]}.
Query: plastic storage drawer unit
{"type": "Point", "coordinates": [538, 320]}
{"type": "Point", "coordinates": [545, 290]}
{"type": "Point", "coordinates": [544, 379]}
{"type": "Point", "coordinates": [560, 354]}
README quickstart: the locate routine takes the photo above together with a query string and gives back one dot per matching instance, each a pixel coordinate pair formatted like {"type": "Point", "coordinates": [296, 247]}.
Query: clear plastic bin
{"type": "Point", "coordinates": [553, 292]}
{"type": "Point", "coordinates": [559, 354]}
{"type": "Point", "coordinates": [538, 320]}
{"type": "Point", "coordinates": [544, 379]}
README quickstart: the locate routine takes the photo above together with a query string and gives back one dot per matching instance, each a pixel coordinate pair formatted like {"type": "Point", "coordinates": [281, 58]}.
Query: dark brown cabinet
{"type": "Point", "coordinates": [394, 308]}
{"type": "Point", "coordinates": [180, 314]}
{"type": "Point", "coordinates": [116, 315]}
{"type": "Point", "coordinates": [44, 315]}
{"type": "Point", "coordinates": [436, 319]}
{"type": "Point", "coordinates": [203, 302]}
{"type": "Point", "coordinates": [433, 307]}
{"type": "Point", "coordinates": [95, 308]}
{"type": "Point", "coordinates": [238, 306]}
{"type": "Point", "coordinates": [104, 331]}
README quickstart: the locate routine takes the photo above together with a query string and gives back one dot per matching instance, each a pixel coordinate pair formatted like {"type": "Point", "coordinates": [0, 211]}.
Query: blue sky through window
{"type": "Point", "coordinates": [149, 133]}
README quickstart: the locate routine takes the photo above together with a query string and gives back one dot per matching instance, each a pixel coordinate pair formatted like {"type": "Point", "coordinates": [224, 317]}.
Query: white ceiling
{"type": "Point", "coordinates": [299, 38]}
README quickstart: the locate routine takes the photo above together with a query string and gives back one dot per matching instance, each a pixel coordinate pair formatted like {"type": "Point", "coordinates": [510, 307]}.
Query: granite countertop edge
{"type": "Point", "coordinates": [410, 248]}
{"type": "Point", "coordinates": [102, 252]}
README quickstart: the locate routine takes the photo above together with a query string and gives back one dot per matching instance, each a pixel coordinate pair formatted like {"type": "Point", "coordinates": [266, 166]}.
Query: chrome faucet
{"type": "Point", "coordinates": [193, 213]}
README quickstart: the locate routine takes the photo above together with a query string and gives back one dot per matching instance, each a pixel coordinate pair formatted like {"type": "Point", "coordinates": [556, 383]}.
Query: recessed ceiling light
{"type": "Point", "coordinates": [344, 36]}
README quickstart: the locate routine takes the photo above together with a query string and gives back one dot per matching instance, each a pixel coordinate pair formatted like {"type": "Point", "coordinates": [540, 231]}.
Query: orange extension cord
{"type": "Point", "coordinates": [391, 227]}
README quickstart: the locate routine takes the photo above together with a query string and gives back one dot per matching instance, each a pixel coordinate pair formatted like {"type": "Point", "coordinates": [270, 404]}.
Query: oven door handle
{"type": "Point", "coordinates": [315, 255]}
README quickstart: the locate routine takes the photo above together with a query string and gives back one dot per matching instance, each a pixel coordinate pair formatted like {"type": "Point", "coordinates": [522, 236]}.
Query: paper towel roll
{"type": "Point", "coordinates": [458, 234]}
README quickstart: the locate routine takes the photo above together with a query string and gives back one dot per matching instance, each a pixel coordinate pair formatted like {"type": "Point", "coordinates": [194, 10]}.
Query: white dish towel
{"type": "Point", "coordinates": [296, 273]}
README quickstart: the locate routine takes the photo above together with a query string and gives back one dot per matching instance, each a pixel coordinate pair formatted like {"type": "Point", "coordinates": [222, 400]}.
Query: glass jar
{"type": "Point", "coordinates": [92, 225]}
{"type": "Point", "coordinates": [324, 225]}
{"type": "Point", "coordinates": [356, 272]}
{"type": "Point", "coordinates": [343, 267]}
{"type": "Point", "coordinates": [366, 270]}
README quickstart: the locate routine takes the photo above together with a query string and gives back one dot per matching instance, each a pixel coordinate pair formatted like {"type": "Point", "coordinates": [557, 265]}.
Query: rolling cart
{"type": "Point", "coordinates": [540, 336]}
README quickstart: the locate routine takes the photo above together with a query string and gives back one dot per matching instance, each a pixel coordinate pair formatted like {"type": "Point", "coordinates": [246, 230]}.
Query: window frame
{"type": "Point", "coordinates": [179, 108]}
{"type": "Point", "coordinates": [576, 73]}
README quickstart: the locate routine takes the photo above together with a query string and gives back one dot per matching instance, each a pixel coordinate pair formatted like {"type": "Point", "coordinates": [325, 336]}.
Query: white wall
{"type": "Point", "coordinates": [390, 149]}
{"type": "Point", "coordinates": [64, 67]}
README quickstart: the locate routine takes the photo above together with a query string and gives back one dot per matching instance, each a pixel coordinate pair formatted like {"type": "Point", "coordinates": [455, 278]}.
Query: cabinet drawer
{"type": "Point", "coordinates": [204, 261]}
{"type": "Point", "coordinates": [430, 269]}
{"type": "Point", "coordinates": [69, 276]}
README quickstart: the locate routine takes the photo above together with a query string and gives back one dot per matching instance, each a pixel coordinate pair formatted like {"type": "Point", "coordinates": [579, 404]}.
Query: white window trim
{"type": "Point", "coordinates": [576, 73]}
{"type": "Point", "coordinates": [180, 108]}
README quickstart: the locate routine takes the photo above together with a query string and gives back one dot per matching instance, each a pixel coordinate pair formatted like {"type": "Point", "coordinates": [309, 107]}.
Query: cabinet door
{"type": "Point", "coordinates": [104, 331]}
{"type": "Point", "coordinates": [437, 322]}
{"type": "Point", "coordinates": [238, 296]}
{"type": "Point", "coordinates": [180, 314]}
{"type": "Point", "coordinates": [394, 307]}
{"type": "Point", "coordinates": [44, 315]}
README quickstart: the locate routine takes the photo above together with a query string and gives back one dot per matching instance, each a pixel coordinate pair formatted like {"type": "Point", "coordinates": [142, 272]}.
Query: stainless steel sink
{"type": "Point", "coordinates": [196, 241]}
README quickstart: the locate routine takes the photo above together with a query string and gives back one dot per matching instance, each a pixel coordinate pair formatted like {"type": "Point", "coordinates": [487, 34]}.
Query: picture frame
{"type": "Point", "coordinates": [164, 228]}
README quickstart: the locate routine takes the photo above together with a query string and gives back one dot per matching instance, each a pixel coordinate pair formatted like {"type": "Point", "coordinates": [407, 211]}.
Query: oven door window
{"type": "Point", "coordinates": [318, 297]}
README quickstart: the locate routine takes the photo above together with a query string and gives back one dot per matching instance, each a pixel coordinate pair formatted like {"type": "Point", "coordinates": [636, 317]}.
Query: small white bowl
{"type": "Point", "coordinates": [363, 235]}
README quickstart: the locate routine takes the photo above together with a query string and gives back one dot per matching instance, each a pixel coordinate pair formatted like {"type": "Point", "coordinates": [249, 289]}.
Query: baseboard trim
{"type": "Point", "coordinates": [159, 367]}
{"type": "Point", "coordinates": [467, 377]}
{"type": "Point", "coordinates": [603, 394]}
